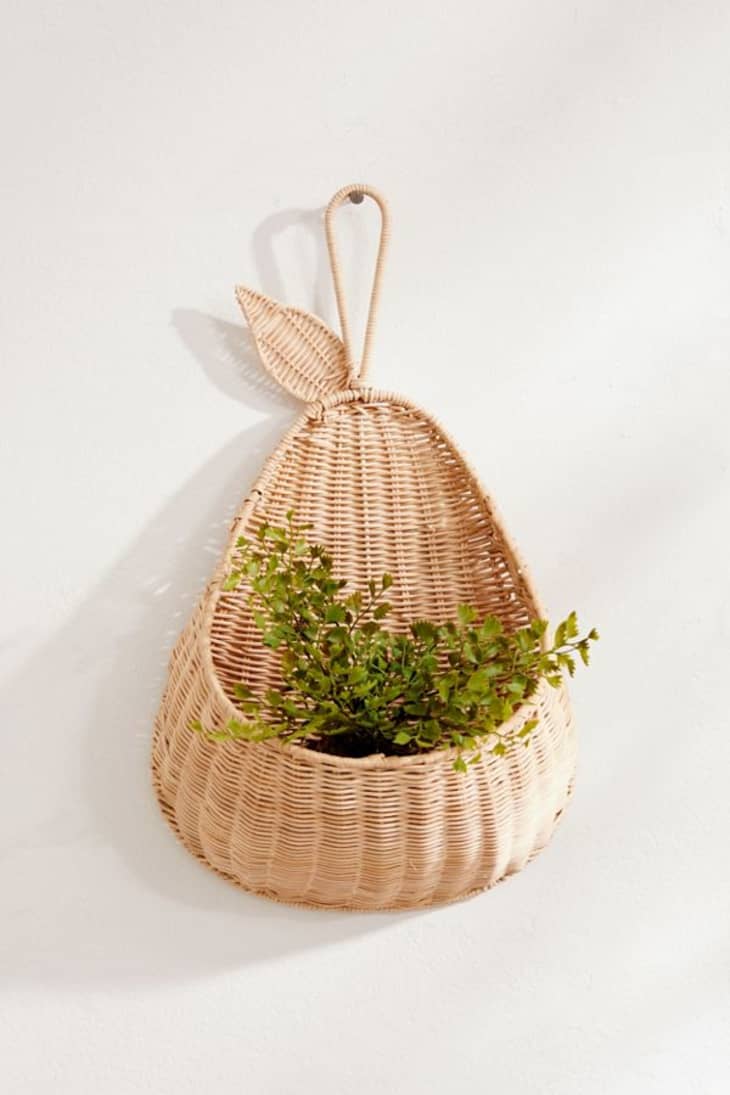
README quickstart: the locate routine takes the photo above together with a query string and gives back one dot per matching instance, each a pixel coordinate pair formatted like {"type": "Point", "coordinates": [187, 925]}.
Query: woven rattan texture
{"type": "Point", "coordinates": [385, 490]}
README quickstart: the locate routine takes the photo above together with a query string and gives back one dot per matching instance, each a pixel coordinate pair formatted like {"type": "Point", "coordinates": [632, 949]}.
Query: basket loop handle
{"type": "Point", "coordinates": [356, 192]}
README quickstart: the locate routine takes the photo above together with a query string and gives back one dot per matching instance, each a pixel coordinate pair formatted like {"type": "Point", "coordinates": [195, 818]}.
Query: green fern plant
{"type": "Point", "coordinates": [352, 687]}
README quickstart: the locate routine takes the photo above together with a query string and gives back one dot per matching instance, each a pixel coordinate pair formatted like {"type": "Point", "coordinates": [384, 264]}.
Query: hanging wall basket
{"type": "Point", "coordinates": [385, 490]}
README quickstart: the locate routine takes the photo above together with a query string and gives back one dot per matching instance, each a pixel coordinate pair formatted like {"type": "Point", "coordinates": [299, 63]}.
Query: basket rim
{"type": "Point", "coordinates": [213, 591]}
{"type": "Point", "coordinates": [382, 761]}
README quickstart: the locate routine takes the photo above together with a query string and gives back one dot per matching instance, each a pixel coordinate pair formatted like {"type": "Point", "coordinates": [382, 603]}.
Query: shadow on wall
{"type": "Point", "coordinates": [357, 230]}
{"type": "Point", "coordinates": [77, 914]}
{"type": "Point", "coordinates": [264, 249]}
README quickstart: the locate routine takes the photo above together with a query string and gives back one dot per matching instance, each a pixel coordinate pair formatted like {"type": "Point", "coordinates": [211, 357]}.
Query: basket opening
{"type": "Point", "coordinates": [385, 491]}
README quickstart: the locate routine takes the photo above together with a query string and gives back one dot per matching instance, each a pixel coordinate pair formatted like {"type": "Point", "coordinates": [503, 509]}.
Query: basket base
{"type": "Point", "coordinates": [270, 895]}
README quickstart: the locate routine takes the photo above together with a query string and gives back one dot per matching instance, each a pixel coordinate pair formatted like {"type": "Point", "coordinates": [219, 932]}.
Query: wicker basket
{"type": "Point", "coordinates": [385, 490]}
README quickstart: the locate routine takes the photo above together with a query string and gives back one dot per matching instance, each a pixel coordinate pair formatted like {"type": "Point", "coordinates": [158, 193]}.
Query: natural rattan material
{"type": "Point", "coordinates": [385, 490]}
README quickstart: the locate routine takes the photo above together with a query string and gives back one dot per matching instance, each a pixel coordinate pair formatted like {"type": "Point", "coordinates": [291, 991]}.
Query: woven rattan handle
{"type": "Point", "coordinates": [357, 191]}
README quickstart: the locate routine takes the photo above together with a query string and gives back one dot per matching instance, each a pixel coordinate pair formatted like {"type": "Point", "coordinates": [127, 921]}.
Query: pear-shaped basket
{"type": "Point", "coordinates": [385, 490]}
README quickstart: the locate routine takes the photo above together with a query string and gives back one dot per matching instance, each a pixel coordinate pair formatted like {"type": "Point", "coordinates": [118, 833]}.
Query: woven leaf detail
{"type": "Point", "coordinates": [305, 356]}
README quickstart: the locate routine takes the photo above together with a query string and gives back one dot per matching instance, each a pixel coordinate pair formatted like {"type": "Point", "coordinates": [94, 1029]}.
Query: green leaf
{"type": "Point", "coordinates": [466, 614]}
{"type": "Point", "coordinates": [470, 653]}
{"type": "Point", "coordinates": [491, 627]}
{"type": "Point", "coordinates": [478, 681]}
{"type": "Point", "coordinates": [423, 631]}
{"type": "Point", "coordinates": [415, 708]}
{"type": "Point", "coordinates": [528, 728]}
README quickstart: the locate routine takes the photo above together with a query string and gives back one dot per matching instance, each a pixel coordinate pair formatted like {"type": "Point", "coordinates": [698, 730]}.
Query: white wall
{"type": "Point", "coordinates": [557, 293]}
